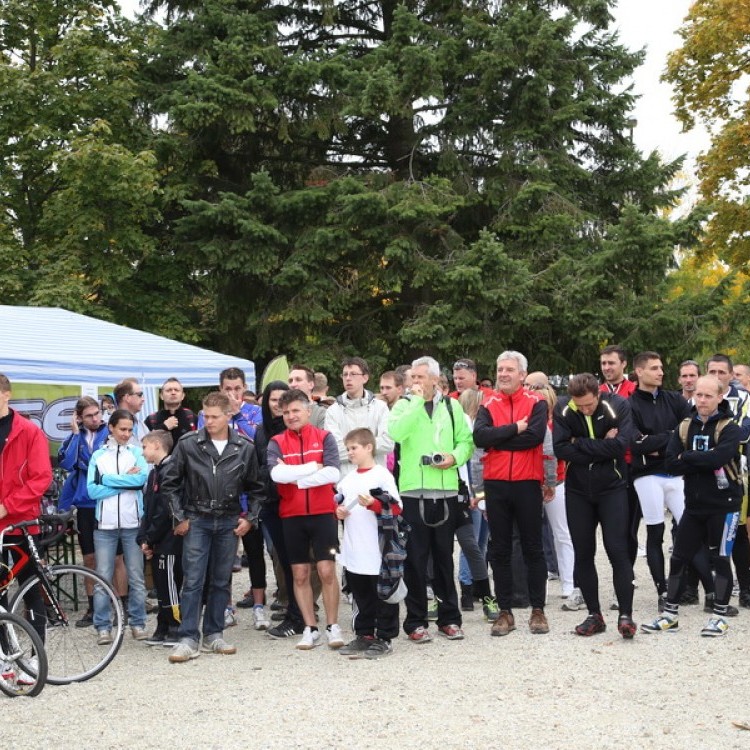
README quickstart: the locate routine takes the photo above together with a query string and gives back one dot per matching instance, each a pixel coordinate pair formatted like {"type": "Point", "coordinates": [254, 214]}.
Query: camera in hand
{"type": "Point", "coordinates": [433, 460]}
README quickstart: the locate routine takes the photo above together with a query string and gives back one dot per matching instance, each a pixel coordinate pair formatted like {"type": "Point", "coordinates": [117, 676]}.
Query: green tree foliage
{"type": "Point", "coordinates": [333, 177]}
{"type": "Point", "coordinates": [389, 178]}
{"type": "Point", "coordinates": [78, 191]}
{"type": "Point", "coordinates": [710, 76]}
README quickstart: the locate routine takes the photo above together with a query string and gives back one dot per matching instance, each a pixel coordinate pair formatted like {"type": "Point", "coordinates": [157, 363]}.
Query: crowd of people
{"type": "Point", "coordinates": [520, 475]}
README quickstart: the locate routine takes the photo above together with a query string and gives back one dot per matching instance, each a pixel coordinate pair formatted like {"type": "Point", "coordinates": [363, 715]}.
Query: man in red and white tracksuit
{"type": "Point", "coordinates": [511, 426]}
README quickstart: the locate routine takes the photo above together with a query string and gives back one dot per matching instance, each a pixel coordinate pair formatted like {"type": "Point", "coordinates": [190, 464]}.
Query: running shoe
{"type": "Point", "coordinates": [310, 639]}
{"type": "Point", "coordinates": [260, 618]}
{"type": "Point", "coordinates": [285, 629]}
{"type": "Point", "coordinates": [230, 617]}
{"type": "Point", "coordinates": [452, 632]}
{"type": "Point", "coordinates": [574, 602]}
{"type": "Point", "coordinates": [357, 646]}
{"type": "Point", "coordinates": [662, 624]}
{"type": "Point", "coordinates": [104, 638]}
{"type": "Point", "coordinates": [183, 652]}
{"type": "Point", "coordinates": [626, 627]}
{"type": "Point", "coordinates": [715, 627]}
{"type": "Point", "coordinates": [218, 646]}
{"type": "Point", "coordinates": [592, 625]}
{"type": "Point", "coordinates": [490, 608]}
{"type": "Point", "coordinates": [334, 636]}
{"type": "Point", "coordinates": [420, 635]}
{"type": "Point", "coordinates": [432, 610]}
{"type": "Point", "coordinates": [87, 620]}
{"type": "Point", "coordinates": [378, 649]}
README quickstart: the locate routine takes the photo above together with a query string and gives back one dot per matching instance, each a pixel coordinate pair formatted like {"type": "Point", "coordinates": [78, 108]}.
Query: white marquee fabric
{"type": "Point", "coordinates": [52, 345]}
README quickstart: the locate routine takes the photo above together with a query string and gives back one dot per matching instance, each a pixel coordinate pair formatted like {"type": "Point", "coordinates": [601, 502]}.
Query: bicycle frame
{"type": "Point", "coordinates": [33, 559]}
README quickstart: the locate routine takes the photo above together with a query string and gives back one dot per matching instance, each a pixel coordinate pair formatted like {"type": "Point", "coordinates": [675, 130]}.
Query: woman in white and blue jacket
{"type": "Point", "coordinates": [116, 476]}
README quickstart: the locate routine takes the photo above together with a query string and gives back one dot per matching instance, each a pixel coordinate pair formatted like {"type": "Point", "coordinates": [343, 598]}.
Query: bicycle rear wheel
{"type": "Point", "coordinates": [72, 653]}
{"type": "Point", "coordinates": [23, 662]}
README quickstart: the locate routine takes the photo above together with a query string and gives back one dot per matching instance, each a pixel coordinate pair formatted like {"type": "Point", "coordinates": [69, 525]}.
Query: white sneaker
{"type": "Point", "coordinates": [335, 636]}
{"type": "Point", "coordinates": [574, 602]}
{"type": "Point", "coordinates": [230, 617]}
{"type": "Point", "coordinates": [183, 652]}
{"type": "Point", "coordinates": [716, 626]}
{"type": "Point", "coordinates": [260, 618]}
{"type": "Point", "coordinates": [310, 639]}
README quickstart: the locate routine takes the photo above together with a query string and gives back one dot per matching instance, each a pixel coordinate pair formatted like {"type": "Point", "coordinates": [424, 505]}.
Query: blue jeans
{"type": "Point", "coordinates": [481, 532]}
{"type": "Point", "coordinates": [208, 550]}
{"type": "Point", "coordinates": [105, 547]}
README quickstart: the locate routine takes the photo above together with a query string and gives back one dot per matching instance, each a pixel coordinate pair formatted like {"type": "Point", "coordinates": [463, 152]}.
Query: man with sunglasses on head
{"type": "Point", "coordinates": [128, 395]}
{"type": "Point", "coordinates": [465, 377]}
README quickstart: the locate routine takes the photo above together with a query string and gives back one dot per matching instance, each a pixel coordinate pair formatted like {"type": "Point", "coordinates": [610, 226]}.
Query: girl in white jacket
{"type": "Point", "coordinates": [117, 473]}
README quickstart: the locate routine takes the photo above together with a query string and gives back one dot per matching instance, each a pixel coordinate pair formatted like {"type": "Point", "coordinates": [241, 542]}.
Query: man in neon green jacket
{"type": "Point", "coordinates": [434, 440]}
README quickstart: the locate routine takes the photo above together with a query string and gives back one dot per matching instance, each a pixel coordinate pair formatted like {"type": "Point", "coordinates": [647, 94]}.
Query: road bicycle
{"type": "Point", "coordinates": [23, 660]}
{"type": "Point", "coordinates": [73, 654]}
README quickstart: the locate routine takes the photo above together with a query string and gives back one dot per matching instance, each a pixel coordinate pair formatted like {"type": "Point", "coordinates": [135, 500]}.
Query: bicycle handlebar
{"type": "Point", "coordinates": [58, 521]}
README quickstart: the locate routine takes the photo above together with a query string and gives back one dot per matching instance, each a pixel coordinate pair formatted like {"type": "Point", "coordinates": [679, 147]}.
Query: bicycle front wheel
{"type": "Point", "coordinates": [73, 653]}
{"type": "Point", "coordinates": [23, 662]}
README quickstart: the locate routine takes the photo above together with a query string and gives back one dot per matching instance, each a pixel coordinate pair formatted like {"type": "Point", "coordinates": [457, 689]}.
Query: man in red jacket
{"type": "Point", "coordinates": [511, 426]}
{"type": "Point", "coordinates": [25, 475]}
{"type": "Point", "coordinates": [304, 462]}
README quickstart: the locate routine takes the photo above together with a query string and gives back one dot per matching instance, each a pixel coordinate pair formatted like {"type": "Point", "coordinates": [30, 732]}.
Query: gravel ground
{"type": "Point", "coordinates": [673, 690]}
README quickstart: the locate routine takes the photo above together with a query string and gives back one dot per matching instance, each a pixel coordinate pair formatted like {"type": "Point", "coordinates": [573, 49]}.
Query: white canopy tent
{"type": "Point", "coordinates": [52, 357]}
{"type": "Point", "coordinates": [55, 346]}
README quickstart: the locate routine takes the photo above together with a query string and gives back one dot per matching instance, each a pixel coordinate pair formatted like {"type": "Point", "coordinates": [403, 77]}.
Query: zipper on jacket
{"type": "Point", "coordinates": [510, 467]}
{"type": "Point", "coordinates": [117, 466]}
{"type": "Point", "coordinates": [302, 460]}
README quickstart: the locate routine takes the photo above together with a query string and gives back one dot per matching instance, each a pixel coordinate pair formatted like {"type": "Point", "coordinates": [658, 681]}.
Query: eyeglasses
{"type": "Point", "coordinates": [352, 375]}
{"type": "Point", "coordinates": [535, 386]}
{"type": "Point", "coordinates": [137, 393]}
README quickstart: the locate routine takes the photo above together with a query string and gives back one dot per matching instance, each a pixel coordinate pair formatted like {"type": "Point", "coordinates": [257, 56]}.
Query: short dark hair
{"type": "Point", "coordinates": [124, 388]}
{"type": "Point", "coordinates": [310, 372]}
{"type": "Point", "coordinates": [720, 358]}
{"type": "Point", "coordinates": [171, 380]}
{"type": "Point", "coordinates": [361, 436]}
{"type": "Point", "coordinates": [294, 394]}
{"type": "Point", "coordinates": [231, 373]}
{"type": "Point", "coordinates": [118, 415]}
{"type": "Point", "coordinates": [397, 377]}
{"type": "Point", "coordinates": [615, 349]}
{"type": "Point", "coordinates": [642, 358]}
{"type": "Point", "coordinates": [356, 362]}
{"type": "Point", "coordinates": [582, 384]}
{"type": "Point", "coordinates": [217, 398]}
{"type": "Point", "coordinates": [159, 436]}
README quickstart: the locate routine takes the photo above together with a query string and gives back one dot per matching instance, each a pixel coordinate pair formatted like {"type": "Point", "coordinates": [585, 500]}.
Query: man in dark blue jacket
{"type": "Point", "coordinates": [704, 449]}
{"type": "Point", "coordinates": [591, 433]}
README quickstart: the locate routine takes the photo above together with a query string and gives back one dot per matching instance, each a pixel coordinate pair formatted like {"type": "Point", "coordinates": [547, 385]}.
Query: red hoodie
{"type": "Point", "coordinates": [25, 471]}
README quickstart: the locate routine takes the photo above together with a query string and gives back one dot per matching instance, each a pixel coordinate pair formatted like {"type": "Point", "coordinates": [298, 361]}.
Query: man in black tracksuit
{"type": "Point", "coordinates": [656, 414]}
{"type": "Point", "coordinates": [705, 452]}
{"type": "Point", "coordinates": [591, 433]}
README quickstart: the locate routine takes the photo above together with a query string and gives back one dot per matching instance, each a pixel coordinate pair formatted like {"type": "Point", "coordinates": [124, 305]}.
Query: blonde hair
{"type": "Point", "coordinates": [470, 401]}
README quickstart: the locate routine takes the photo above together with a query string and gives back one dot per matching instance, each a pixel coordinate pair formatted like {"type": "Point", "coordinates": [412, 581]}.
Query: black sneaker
{"type": "Point", "coordinates": [157, 639]}
{"type": "Point", "coordinates": [378, 649]}
{"type": "Point", "coordinates": [86, 621]}
{"type": "Point", "coordinates": [286, 629]}
{"type": "Point", "coordinates": [358, 646]}
{"type": "Point", "coordinates": [247, 601]}
{"type": "Point", "coordinates": [626, 627]}
{"type": "Point", "coordinates": [467, 599]}
{"type": "Point", "coordinates": [745, 598]}
{"type": "Point", "coordinates": [592, 625]}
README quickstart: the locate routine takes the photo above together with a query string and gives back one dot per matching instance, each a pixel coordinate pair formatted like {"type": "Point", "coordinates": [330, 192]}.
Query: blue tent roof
{"type": "Point", "coordinates": [52, 345]}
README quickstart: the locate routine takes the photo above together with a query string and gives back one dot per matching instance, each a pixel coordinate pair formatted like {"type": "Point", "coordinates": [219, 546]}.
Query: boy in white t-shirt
{"type": "Point", "coordinates": [375, 621]}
